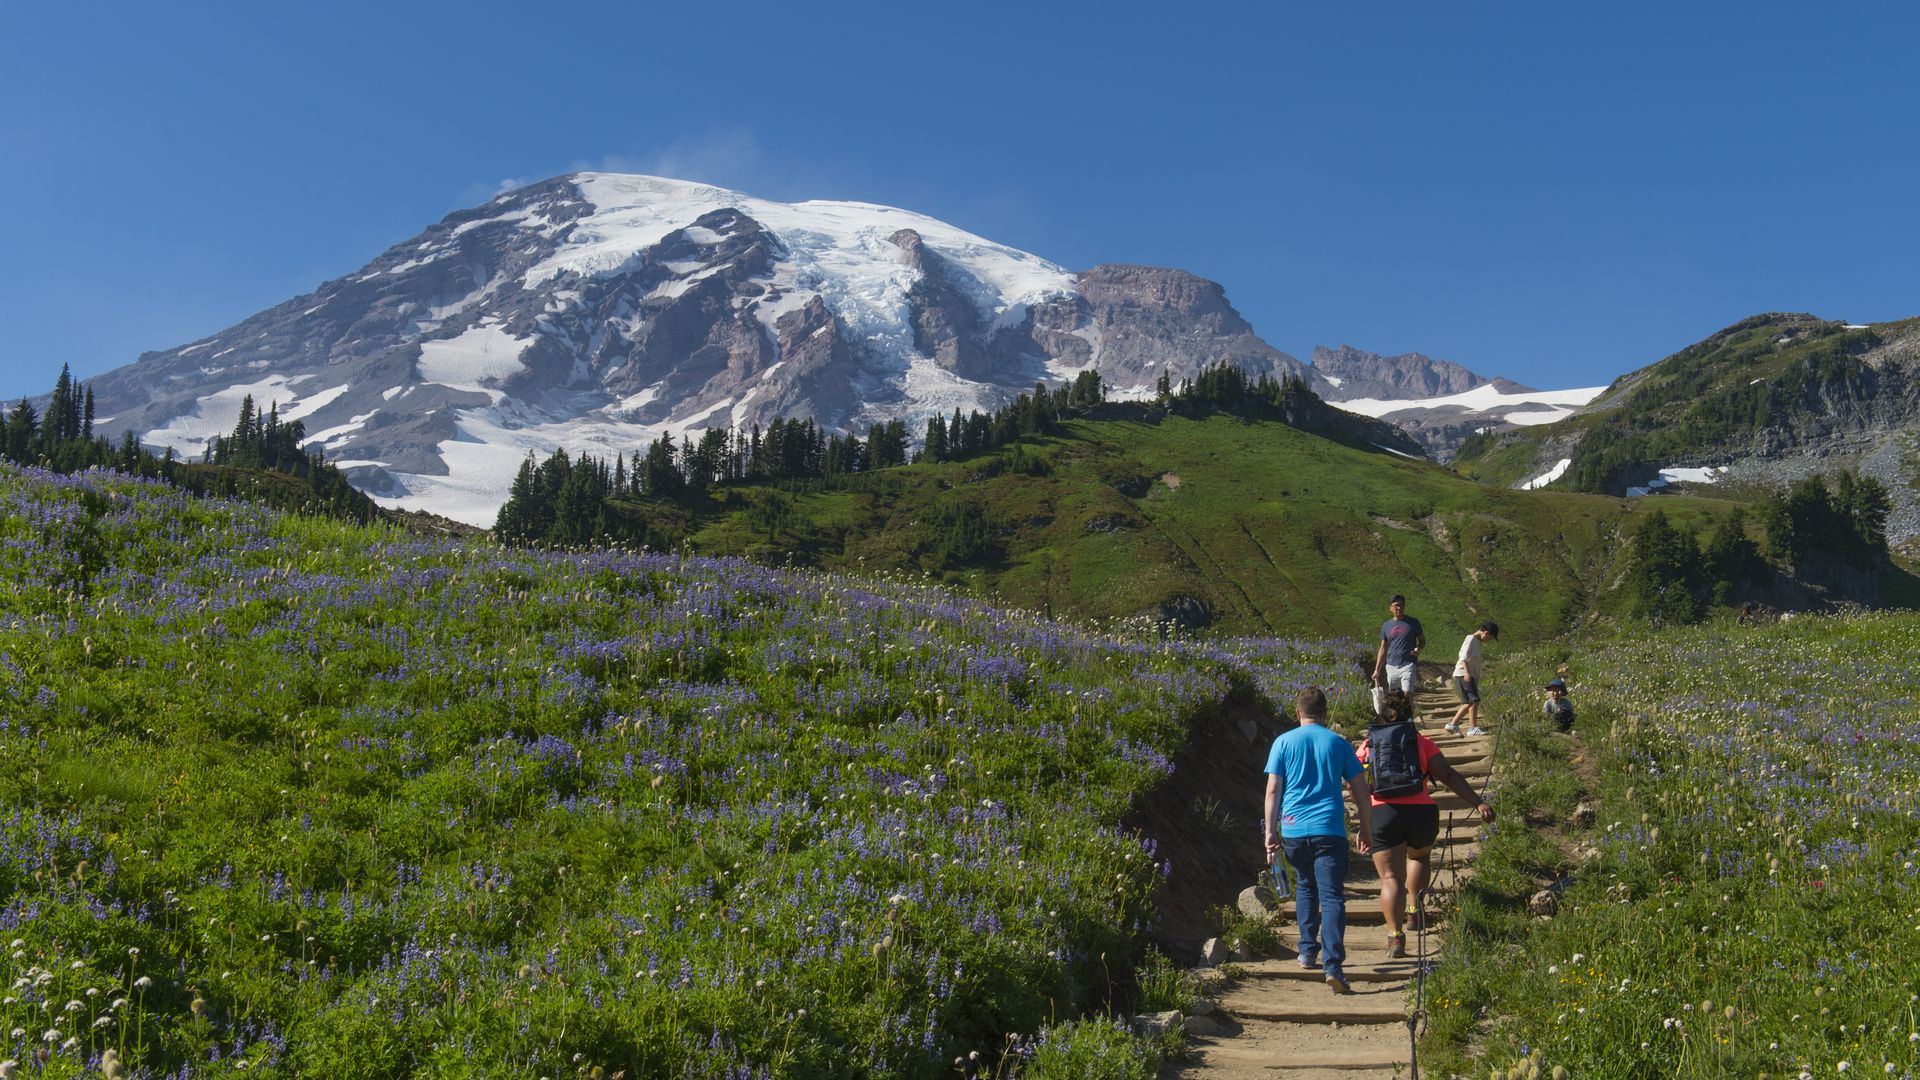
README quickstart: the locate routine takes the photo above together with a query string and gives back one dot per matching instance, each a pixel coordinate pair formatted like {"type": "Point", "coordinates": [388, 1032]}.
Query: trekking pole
{"type": "Point", "coordinates": [1419, 1013]}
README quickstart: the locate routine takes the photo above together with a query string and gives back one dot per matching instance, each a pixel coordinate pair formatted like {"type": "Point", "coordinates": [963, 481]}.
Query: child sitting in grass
{"type": "Point", "coordinates": [1557, 707]}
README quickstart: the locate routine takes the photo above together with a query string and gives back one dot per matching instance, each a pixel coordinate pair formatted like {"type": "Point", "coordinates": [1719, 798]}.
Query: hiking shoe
{"type": "Point", "coordinates": [1476, 730]}
{"type": "Point", "coordinates": [1452, 728]}
{"type": "Point", "coordinates": [1310, 963]}
{"type": "Point", "coordinates": [1397, 946]}
{"type": "Point", "coordinates": [1337, 981]}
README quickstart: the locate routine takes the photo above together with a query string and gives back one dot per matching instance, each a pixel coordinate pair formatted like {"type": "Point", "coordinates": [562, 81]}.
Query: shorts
{"type": "Point", "coordinates": [1469, 692]}
{"type": "Point", "coordinates": [1400, 677]}
{"type": "Point", "coordinates": [1416, 825]}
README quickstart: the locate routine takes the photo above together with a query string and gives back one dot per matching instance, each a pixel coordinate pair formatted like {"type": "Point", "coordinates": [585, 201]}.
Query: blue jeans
{"type": "Point", "coordinates": [1319, 896]}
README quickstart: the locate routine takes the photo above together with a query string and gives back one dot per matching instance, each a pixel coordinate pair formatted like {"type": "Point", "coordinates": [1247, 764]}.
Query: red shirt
{"type": "Point", "coordinates": [1420, 798]}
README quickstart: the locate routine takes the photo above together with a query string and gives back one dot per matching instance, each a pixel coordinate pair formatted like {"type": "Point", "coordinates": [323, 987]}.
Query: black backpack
{"type": "Point", "coordinates": [1393, 753]}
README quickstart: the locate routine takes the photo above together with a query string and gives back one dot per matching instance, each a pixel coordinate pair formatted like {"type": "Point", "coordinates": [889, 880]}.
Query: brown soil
{"type": "Point", "coordinates": [1206, 820]}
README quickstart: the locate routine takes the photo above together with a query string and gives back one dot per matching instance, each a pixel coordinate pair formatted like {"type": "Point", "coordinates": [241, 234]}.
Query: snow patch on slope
{"type": "Point", "coordinates": [1488, 398]}
{"type": "Point", "coordinates": [1530, 417]}
{"type": "Point", "coordinates": [1670, 476]}
{"type": "Point", "coordinates": [1559, 470]}
{"type": "Point", "coordinates": [479, 359]}
{"type": "Point", "coordinates": [490, 442]}
{"type": "Point", "coordinates": [215, 414]}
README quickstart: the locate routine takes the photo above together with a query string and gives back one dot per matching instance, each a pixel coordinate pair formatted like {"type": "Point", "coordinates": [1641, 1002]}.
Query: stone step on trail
{"type": "Point", "coordinates": [1359, 967]}
{"type": "Point", "coordinates": [1362, 912]}
{"type": "Point", "coordinates": [1313, 1003]}
{"type": "Point", "coordinates": [1293, 1051]}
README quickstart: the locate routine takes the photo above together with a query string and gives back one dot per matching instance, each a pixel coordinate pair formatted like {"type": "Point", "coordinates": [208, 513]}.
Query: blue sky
{"type": "Point", "coordinates": [1553, 193]}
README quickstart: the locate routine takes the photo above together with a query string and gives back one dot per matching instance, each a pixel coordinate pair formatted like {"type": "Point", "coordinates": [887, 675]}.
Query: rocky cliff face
{"type": "Point", "coordinates": [1361, 374]}
{"type": "Point", "coordinates": [598, 311]}
{"type": "Point", "coordinates": [1150, 318]}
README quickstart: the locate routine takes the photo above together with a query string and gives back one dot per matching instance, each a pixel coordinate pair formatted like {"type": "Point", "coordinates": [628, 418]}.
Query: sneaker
{"type": "Point", "coordinates": [1310, 963]}
{"type": "Point", "coordinates": [1397, 946]}
{"type": "Point", "coordinates": [1452, 728]}
{"type": "Point", "coordinates": [1476, 730]}
{"type": "Point", "coordinates": [1337, 981]}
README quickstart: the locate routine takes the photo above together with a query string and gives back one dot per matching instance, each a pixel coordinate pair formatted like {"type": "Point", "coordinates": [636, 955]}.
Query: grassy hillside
{"type": "Point", "coordinates": [293, 796]}
{"type": "Point", "coordinates": [1268, 528]}
{"type": "Point", "coordinates": [1742, 899]}
{"type": "Point", "coordinates": [1770, 378]}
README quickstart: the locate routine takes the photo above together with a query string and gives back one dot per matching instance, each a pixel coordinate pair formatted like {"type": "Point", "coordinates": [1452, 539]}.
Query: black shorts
{"type": "Point", "coordinates": [1416, 825]}
{"type": "Point", "coordinates": [1469, 692]}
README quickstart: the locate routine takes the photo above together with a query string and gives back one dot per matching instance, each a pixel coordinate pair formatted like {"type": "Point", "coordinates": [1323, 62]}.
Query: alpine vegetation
{"type": "Point", "coordinates": [294, 795]}
{"type": "Point", "coordinates": [1747, 898]}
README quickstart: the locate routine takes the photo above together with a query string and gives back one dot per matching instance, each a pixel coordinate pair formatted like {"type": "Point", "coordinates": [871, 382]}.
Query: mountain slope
{"type": "Point", "coordinates": [1357, 373]}
{"type": "Point", "coordinates": [1770, 398]}
{"type": "Point", "coordinates": [1242, 525]}
{"type": "Point", "coordinates": [1439, 403]}
{"type": "Point", "coordinates": [597, 311]}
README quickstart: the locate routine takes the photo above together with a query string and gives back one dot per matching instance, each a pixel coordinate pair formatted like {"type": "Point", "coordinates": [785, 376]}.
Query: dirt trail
{"type": "Point", "coordinates": [1280, 1020]}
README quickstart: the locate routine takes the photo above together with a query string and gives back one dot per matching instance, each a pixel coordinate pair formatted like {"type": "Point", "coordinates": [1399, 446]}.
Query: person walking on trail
{"type": "Point", "coordinates": [1466, 679]}
{"type": "Point", "coordinates": [1557, 707]}
{"type": "Point", "coordinates": [1307, 821]}
{"type": "Point", "coordinates": [1396, 663]}
{"type": "Point", "coordinates": [1406, 821]}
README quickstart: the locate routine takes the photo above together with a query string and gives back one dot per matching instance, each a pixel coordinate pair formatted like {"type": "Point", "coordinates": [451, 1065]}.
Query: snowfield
{"type": "Point", "coordinates": [840, 250]}
{"type": "Point", "coordinates": [215, 414]}
{"type": "Point", "coordinates": [1559, 470]}
{"type": "Point", "coordinates": [1671, 476]}
{"type": "Point", "coordinates": [1535, 407]}
{"type": "Point", "coordinates": [479, 359]}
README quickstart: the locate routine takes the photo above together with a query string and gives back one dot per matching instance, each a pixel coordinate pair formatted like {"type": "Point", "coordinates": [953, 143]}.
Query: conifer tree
{"type": "Point", "coordinates": [515, 520]}
{"type": "Point", "coordinates": [55, 428]}
{"type": "Point", "coordinates": [22, 427]}
{"type": "Point", "coordinates": [934, 448]}
{"type": "Point", "coordinates": [1667, 572]}
{"type": "Point", "coordinates": [576, 508]}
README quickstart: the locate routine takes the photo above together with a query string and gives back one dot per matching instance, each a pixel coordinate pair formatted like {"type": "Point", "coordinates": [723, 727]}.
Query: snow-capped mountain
{"type": "Point", "coordinates": [596, 311]}
{"type": "Point", "coordinates": [1437, 402]}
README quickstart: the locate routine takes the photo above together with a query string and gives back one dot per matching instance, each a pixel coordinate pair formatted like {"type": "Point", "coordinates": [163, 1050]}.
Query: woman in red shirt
{"type": "Point", "coordinates": [1406, 826]}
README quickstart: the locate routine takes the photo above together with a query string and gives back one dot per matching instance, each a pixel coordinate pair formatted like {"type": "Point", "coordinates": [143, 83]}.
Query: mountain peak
{"type": "Point", "coordinates": [1357, 373]}
{"type": "Point", "coordinates": [598, 311]}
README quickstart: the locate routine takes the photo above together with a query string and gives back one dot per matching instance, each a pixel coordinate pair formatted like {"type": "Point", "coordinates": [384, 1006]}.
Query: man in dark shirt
{"type": "Point", "coordinates": [1396, 664]}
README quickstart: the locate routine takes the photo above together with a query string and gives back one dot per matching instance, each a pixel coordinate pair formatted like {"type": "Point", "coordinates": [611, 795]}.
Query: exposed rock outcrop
{"type": "Point", "coordinates": [1146, 319]}
{"type": "Point", "coordinates": [1363, 374]}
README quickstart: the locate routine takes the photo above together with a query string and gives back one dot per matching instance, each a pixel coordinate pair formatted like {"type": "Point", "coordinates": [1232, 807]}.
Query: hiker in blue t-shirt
{"type": "Point", "coordinates": [1396, 662]}
{"type": "Point", "coordinates": [1306, 820]}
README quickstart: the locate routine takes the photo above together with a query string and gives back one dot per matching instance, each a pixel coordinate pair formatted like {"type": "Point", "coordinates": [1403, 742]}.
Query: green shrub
{"type": "Point", "coordinates": [1095, 1049]}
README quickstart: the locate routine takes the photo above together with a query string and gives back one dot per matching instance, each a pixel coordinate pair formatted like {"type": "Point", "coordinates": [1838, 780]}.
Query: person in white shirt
{"type": "Point", "coordinates": [1466, 679]}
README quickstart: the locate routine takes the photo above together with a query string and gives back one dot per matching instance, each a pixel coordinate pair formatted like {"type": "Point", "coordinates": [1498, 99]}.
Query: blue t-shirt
{"type": "Point", "coordinates": [1313, 763]}
{"type": "Point", "coordinates": [1401, 635]}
